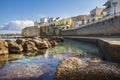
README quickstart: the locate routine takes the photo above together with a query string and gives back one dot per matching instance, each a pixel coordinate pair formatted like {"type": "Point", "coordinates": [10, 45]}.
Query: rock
{"type": "Point", "coordinates": [3, 47]}
{"type": "Point", "coordinates": [59, 39]}
{"type": "Point", "coordinates": [3, 58]}
{"type": "Point", "coordinates": [32, 53]}
{"type": "Point", "coordinates": [36, 38]}
{"type": "Point", "coordinates": [20, 41]}
{"type": "Point", "coordinates": [41, 52]}
{"type": "Point", "coordinates": [78, 55]}
{"type": "Point", "coordinates": [14, 47]}
{"type": "Point", "coordinates": [54, 43]}
{"type": "Point", "coordinates": [76, 69]}
{"type": "Point", "coordinates": [8, 40]}
{"type": "Point", "coordinates": [41, 44]}
{"type": "Point", "coordinates": [29, 46]}
{"type": "Point", "coordinates": [48, 42]}
{"type": "Point", "coordinates": [25, 71]}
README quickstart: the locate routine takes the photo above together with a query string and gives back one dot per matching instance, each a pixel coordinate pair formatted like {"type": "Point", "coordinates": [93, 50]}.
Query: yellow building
{"type": "Point", "coordinates": [65, 23]}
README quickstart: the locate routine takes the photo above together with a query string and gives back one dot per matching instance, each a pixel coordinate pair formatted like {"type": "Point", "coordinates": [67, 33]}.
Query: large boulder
{"type": "Point", "coordinates": [41, 44]}
{"type": "Point", "coordinates": [29, 46]}
{"type": "Point", "coordinates": [54, 43]}
{"type": "Point", "coordinates": [14, 47]}
{"type": "Point", "coordinates": [3, 47]}
{"type": "Point", "coordinates": [76, 69]}
{"type": "Point", "coordinates": [20, 41]}
{"type": "Point", "coordinates": [48, 42]}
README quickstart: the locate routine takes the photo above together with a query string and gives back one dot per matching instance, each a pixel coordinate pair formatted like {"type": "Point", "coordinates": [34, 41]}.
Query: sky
{"type": "Point", "coordinates": [32, 10]}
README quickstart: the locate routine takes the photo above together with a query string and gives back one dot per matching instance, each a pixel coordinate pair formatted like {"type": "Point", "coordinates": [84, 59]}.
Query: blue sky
{"type": "Point", "coordinates": [17, 14]}
{"type": "Point", "coordinates": [34, 9]}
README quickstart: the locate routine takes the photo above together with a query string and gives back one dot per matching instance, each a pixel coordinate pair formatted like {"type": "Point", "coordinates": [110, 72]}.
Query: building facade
{"type": "Point", "coordinates": [64, 23]}
{"type": "Point", "coordinates": [112, 7]}
{"type": "Point", "coordinates": [31, 31]}
{"type": "Point", "coordinates": [96, 14]}
{"type": "Point", "coordinates": [77, 21]}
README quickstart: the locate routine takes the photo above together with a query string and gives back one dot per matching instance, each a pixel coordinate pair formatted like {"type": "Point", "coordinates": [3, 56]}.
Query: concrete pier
{"type": "Point", "coordinates": [109, 48]}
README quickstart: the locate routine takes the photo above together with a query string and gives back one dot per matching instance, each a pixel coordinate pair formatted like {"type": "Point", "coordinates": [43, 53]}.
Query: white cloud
{"type": "Point", "coordinates": [17, 25]}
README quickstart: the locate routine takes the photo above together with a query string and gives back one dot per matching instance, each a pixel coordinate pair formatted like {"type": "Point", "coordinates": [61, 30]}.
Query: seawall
{"type": "Point", "coordinates": [109, 26]}
{"type": "Point", "coordinates": [109, 48]}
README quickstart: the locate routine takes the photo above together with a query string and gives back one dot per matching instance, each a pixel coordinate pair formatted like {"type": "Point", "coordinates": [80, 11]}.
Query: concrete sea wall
{"type": "Point", "coordinates": [108, 51]}
{"type": "Point", "coordinates": [109, 26]}
{"type": "Point", "coordinates": [105, 27]}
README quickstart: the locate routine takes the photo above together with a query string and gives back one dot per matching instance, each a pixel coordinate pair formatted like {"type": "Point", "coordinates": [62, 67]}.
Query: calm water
{"type": "Point", "coordinates": [41, 66]}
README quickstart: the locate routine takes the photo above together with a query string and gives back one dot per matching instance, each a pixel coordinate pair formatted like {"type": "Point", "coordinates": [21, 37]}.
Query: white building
{"type": "Point", "coordinates": [78, 21]}
{"type": "Point", "coordinates": [43, 20]}
{"type": "Point", "coordinates": [46, 21]}
{"type": "Point", "coordinates": [96, 14]}
{"type": "Point", "coordinates": [112, 6]}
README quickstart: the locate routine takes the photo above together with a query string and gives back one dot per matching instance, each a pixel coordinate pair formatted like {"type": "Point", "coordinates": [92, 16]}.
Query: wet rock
{"type": "Point", "coordinates": [48, 42]}
{"type": "Point", "coordinates": [36, 38]}
{"type": "Point", "coordinates": [54, 43]}
{"type": "Point", "coordinates": [59, 39]}
{"type": "Point", "coordinates": [3, 58]}
{"type": "Point", "coordinates": [8, 40]}
{"type": "Point", "coordinates": [29, 46]}
{"type": "Point", "coordinates": [78, 55]}
{"type": "Point", "coordinates": [14, 47]}
{"type": "Point", "coordinates": [76, 69]}
{"type": "Point", "coordinates": [30, 53]}
{"type": "Point", "coordinates": [25, 71]}
{"type": "Point", "coordinates": [20, 41]}
{"type": "Point", "coordinates": [41, 44]}
{"type": "Point", "coordinates": [41, 52]}
{"type": "Point", "coordinates": [2, 64]}
{"type": "Point", "coordinates": [3, 47]}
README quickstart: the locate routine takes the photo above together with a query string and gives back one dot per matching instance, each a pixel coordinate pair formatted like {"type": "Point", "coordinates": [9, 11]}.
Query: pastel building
{"type": "Point", "coordinates": [64, 23]}
{"type": "Point", "coordinates": [96, 14]}
{"type": "Point", "coordinates": [112, 6]}
{"type": "Point", "coordinates": [78, 21]}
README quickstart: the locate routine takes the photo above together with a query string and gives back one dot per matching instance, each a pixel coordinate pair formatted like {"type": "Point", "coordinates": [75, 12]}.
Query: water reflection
{"type": "Point", "coordinates": [41, 65]}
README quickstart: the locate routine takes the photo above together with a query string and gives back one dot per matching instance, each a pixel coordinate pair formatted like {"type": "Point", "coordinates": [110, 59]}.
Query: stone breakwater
{"type": "Point", "coordinates": [27, 45]}
{"type": "Point", "coordinates": [76, 69]}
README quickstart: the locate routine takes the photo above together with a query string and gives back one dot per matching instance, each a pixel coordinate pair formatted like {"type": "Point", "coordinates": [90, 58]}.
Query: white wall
{"type": "Point", "coordinates": [118, 6]}
{"type": "Point", "coordinates": [78, 24]}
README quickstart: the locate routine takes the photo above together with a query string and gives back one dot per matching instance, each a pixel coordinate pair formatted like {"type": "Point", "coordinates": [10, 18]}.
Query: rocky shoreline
{"type": "Point", "coordinates": [76, 69]}
{"type": "Point", "coordinates": [27, 45]}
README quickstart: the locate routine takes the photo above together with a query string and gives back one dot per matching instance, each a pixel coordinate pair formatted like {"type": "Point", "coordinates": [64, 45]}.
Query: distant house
{"type": "Point", "coordinates": [77, 21]}
{"type": "Point", "coordinates": [112, 6]}
{"type": "Point", "coordinates": [96, 14]}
